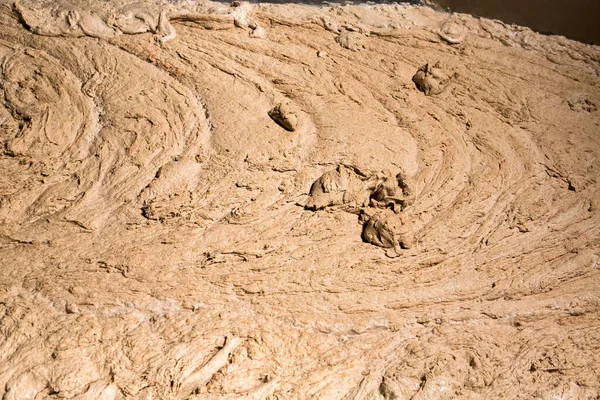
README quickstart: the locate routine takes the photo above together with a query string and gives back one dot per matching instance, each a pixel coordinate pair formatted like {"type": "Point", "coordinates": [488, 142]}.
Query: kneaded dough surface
{"type": "Point", "coordinates": [154, 237]}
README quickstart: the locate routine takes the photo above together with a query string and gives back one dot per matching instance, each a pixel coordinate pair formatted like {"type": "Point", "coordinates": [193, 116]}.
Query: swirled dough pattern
{"type": "Point", "coordinates": [191, 192]}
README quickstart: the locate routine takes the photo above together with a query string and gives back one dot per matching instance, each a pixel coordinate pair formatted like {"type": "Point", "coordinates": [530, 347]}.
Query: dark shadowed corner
{"type": "Point", "coordinates": [575, 19]}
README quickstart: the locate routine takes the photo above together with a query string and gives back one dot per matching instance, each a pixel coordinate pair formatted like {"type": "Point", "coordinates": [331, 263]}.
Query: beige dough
{"type": "Point", "coordinates": [206, 200]}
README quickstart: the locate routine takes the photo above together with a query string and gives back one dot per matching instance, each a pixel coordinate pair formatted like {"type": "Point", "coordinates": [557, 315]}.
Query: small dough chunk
{"type": "Point", "coordinates": [389, 230]}
{"type": "Point", "coordinates": [351, 40]}
{"type": "Point", "coordinates": [431, 80]}
{"type": "Point", "coordinates": [452, 31]}
{"type": "Point", "coordinates": [392, 192]}
{"type": "Point", "coordinates": [355, 189]}
{"type": "Point", "coordinates": [337, 187]}
{"type": "Point", "coordinates": [285, 116]}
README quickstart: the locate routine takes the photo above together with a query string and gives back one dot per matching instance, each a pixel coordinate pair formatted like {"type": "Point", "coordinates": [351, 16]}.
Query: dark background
{"type": "Point", "coordinates": [575, 19]}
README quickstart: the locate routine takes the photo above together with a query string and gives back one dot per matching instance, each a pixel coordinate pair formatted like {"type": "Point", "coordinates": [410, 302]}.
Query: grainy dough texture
{"type": "Point", "coordinates": [213, 201]}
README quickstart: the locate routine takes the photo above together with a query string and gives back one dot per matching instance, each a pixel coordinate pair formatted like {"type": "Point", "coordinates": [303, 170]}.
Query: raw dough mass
{"type": "Point", "coordinates": [159, 237]}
